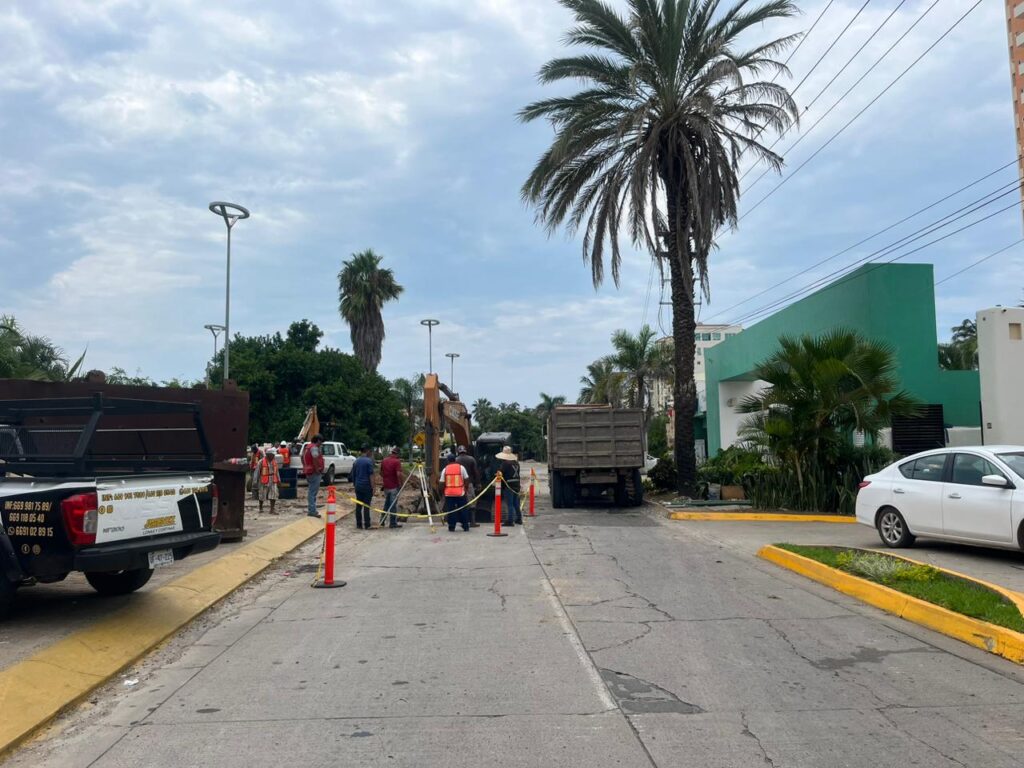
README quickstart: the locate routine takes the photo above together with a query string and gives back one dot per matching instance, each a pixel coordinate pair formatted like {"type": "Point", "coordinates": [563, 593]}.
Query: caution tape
{"type": "Point", "coordinates": [407, 515]}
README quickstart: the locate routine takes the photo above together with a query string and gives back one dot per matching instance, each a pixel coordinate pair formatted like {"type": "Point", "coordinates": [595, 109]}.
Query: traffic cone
{"type": "Point", "coordinates": [329, 526]}
{"type": "Point", "coordinates": [497, 507]}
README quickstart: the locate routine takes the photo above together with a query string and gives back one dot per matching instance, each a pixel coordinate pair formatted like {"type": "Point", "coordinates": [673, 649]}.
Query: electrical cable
{"type": "Point", "coordinates": [864, 109]}
{"type": "Point", "coordinates": [830, 47]}
{"type": "Point", "coordinates": [979, 261]}
{"type": "Point", "coordinates": [882, 231]}
{"type": "Point", "coordinates": [757, 314]}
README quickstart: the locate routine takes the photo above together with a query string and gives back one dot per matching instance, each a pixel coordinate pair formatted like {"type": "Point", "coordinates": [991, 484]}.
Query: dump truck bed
{"type": "Point", "coordinates": [594, 438]}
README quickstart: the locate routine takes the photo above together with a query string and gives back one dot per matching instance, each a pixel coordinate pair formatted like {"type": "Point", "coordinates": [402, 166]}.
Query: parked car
{"type": "Point", "coordinates": [337, 461]}
{"type": "Point", "coordinates": [973, 495]}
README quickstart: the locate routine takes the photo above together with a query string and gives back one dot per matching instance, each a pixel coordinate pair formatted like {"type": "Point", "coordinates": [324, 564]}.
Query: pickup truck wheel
{"type": "Point", "coordinates": [6, 597]}
{"type": "Point", "coordinates": [329, 477]}
{"type": "Point", "coordinates": [119, 582]}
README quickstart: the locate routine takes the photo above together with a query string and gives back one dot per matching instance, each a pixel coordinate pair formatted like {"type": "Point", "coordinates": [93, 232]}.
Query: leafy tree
{"type": "Point", "coordinates": [24, 356]}
{"type": "Point", "coordinates": [641, 360]}
{"type": "Point", "coordinates": [657, 435]}
{"type": "Point", "coordinates": [525, 425]}
{"type": "Point", "coordinates": [603, 384]}
{"type": "Point", "coordinates": [547, 405]}
{"type": "Point", "coordinates": [363, 289]}
{"type": "Point", "coordinates": [961, 353]}
{"type": "Point", "coordinates": [284, 376]}
{"type": "Point", "coordinates": [410, 394]}
{"type": "Point", "coordinates": [820, 390]}
{"type": "Point", "coordinates": [483, 410]}
{"type": "Point", "coordinates": [672, 98]}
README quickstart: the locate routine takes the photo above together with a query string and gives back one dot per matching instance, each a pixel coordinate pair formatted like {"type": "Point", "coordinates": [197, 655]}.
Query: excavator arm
{"type": "Point", "coordinates": [438, 414]}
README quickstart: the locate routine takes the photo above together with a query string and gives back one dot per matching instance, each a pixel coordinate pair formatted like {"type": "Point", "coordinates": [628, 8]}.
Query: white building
{"type": "Point", "coordinates": [706, 335]}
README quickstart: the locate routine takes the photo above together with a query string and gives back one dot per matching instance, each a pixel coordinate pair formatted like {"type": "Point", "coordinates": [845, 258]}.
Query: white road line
{"type": "Point", "coordinates": [570, 632]}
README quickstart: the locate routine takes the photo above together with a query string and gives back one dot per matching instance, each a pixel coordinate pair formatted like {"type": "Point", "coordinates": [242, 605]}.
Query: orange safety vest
{"type": "Point", "coordinates": [454, 483]}
{"type": "Point", "coordinates": [265, 473]}
{"type": "Point", "coordinates": [285, 455]}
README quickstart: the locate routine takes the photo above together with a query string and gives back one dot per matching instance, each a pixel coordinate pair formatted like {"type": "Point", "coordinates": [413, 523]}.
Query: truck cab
{"type": "Point", "coordinates": [338, 460]}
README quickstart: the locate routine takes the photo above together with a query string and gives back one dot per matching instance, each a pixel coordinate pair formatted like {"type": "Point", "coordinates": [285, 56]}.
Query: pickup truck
{"type": "Point", "coordinates": [82, 489]}
{"type": "Point", "coordinates": [337, 461]}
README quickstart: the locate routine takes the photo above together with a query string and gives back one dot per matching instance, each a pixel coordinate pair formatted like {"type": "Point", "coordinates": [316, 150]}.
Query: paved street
{"type": "Point", "coordinates": [590, 638]}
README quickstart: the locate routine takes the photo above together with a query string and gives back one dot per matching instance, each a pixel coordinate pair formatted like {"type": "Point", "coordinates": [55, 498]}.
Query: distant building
{"type": "Point", "coordinates": [706, 335]}
{"type": "Point", "coordinates": [1015, 33]}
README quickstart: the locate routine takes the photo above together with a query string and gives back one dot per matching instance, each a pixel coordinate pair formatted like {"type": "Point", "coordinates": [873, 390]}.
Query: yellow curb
{"type": "Point", "coordinates": [989, 637]}
{"type": "Point", "coordinates": [34, 691]}
{"type": "Point", "coordinates": [774, 517]}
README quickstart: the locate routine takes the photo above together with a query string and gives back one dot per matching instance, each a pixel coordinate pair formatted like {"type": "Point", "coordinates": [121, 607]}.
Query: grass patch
{"type": "Point", "coordinates": [921, 581]}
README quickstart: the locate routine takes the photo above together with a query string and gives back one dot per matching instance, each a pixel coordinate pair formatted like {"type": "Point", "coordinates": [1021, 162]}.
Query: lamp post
{"type": "Point", "coordinates": [215, 330]}
{"type": "Point", "coordinates": [451, 356]}
{"type": "Point", "coordinates": [230, 213]}
{"type": "Point", "coordinates": [430, 336]}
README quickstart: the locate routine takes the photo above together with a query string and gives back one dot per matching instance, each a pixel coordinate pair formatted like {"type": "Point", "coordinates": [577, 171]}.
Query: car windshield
{"type": "Point", "coordinates": [1014, 461]}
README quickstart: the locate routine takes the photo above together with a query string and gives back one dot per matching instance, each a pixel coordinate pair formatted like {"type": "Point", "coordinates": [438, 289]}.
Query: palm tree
{"type": "Point", "coordinates": [653, 141]}
{"type": "Point", "coordinates": [822, 389]}
{"type": "Point", "coordinates": [24, 356]}
{"type": "Point", "coordinates": [547, 405]}
{"type": "Point", "coordinates": [641, 360]}
{"type": "Point", "coordinates": [363, 289]}
{"type": "Point", "coordinates": [410, 394]}
{"type": "Point", "coordinates": [602, 385]}
{"type": "Point", "coordinates": [483, 410]}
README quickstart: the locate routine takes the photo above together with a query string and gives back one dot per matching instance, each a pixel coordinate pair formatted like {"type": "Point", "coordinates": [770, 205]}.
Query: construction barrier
{"type": "Point", "coordinates": [329, 530]}
{"type": "Point", "coordinates": [533, 492]}
{"type": "Point", "coordinates": [497, 506]}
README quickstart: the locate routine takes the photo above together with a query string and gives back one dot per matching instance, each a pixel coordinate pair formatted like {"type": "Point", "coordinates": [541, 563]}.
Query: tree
{"type": "Point", "coordinates": [363, 289]}
{"type": "Point", "coordinates": [525, 425]}
{"type": "Point", "coordinates": [603, 384]}
{"type": "Point", "coordinates": [24, 356]}
{"type": "Point", "coordinates": [547, 405]}
{"type": "Point", "coordinates": [652, 144]}
{"type": "Point", "coordinates": [641, 360]}
{"type": "Point", "coordinates": [961, 353]}
{"type": "Point", "coordinates": [410, 394]}
{"type": "Point", "coordinates": [820, 390]}
{"type": "Point", "coordinates": [483, 409]}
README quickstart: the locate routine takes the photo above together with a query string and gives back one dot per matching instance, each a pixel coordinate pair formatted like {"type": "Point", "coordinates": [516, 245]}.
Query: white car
{"type": "Point", "coordinates": [973, 495]}
{"type": "Point", "coordinates": [337, 461]}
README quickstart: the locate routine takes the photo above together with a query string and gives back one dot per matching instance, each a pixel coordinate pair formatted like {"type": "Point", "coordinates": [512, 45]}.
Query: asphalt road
{"type": "Point", "coordinates": [591, 638]}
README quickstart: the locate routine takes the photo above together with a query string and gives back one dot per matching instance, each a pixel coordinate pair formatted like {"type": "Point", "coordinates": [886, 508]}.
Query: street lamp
{"type": "Point", "coordinates": [215, 330]}
{"type": "Point", "coordinates": [230, 213]}
{"type": "Point", "coordinates": [451, 356]}
{"type": "Point", "coordinates": [430, 335]}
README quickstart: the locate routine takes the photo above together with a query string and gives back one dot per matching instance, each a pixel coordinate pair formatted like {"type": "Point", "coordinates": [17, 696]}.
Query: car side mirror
{"type": "Point", "coordinates": [997, 481]}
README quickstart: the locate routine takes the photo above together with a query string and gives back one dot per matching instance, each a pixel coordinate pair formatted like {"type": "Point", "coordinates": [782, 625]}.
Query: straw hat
{"type": "Point", "coordinates": [506, 454]}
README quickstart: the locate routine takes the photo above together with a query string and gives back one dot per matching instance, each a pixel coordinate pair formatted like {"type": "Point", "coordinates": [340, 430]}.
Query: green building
{"type": "Point", "coordinates": [894, 303]}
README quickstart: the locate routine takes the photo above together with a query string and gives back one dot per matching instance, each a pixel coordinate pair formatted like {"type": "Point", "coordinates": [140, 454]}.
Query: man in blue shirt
{"type": "Point", "coordinates": [362, 477]}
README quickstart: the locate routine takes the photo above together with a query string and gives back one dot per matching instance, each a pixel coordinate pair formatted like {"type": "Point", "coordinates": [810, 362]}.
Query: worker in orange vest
{"type": "Point", "coordinates": [455, 478]}
{"type": "Point", "coordinates": [284, 453]}
{"type": "Point", "coordinates": [269, 479]}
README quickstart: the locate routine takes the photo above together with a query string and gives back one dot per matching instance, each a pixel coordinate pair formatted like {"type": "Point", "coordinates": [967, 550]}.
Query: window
{"type": "Point", "coordinates": [1020, 38]}
{"type": "Point", "coordinates": [696, 337]}
{"type": "Point", "coordinates": [699, 351]}
{"type": "Point", "coordinates": [328, 449]}
{"type": "Point", "coordinates": [716, 337]}
{"type": "Point", "coordinates": [1018, 10]}
{"type": "Point", "coordinates": [925, 468]}
{"type": "Point", "coordinates": [1015, 334]}
{"type": "Point", "coordinates": [705, 337]}
{"type": "Point", "coordinates": [1015, 460]}
{"type": "Point", "coordinates": [968, 469]}
{"type": "Point", "coordinates": [729, 335]}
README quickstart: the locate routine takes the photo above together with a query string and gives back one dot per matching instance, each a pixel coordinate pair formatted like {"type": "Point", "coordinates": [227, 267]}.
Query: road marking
{"type": "Point", "coordinates": [773, 517]}
{"type": "Point", "coordinates": [577, 645]}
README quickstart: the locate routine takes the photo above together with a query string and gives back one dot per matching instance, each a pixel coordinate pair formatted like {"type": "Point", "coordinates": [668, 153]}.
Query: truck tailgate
{"type": "Point", "coordinates": [138, 507]}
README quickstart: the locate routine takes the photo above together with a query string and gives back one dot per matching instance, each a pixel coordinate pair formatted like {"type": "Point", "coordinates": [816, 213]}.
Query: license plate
{"type": "Point", "coordinates": [161, 557]}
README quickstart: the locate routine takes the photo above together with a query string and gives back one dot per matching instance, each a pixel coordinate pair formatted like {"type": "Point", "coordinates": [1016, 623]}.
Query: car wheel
{"type": "Point", "coordinates": [329, 477]}
{"type": "Point", "coordinates": [7, 589]}
{"type": "Point", "coordinates": [892, 528]}
{"type": "Point", "coordinates": [119, 582]}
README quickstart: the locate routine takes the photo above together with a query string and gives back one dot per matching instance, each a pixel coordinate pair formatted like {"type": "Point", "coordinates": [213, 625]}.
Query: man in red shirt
{"type": "Point", "coordinates": [391, 480]}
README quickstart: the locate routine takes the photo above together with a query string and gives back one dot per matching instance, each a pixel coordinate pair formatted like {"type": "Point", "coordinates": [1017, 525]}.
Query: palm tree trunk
{"type": "Point", "coordinates": [684, 391]}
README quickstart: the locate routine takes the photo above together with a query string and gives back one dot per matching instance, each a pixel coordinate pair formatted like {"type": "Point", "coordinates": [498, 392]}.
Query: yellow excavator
{"type": "Point", "coordinates": [441, 415]}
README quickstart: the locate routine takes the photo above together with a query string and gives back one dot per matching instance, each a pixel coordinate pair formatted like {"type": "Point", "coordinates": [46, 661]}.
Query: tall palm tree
{"type": "Point", "coordinates": [363, 289]}
{"type": "Point", "coordinates": [603, 384]}
{"type": "Point", "coordinates": [547, 405]}
{"type": "Point", "coordinates": [652, 143]}
{"type": "Point", "coordinates": [641, 360]}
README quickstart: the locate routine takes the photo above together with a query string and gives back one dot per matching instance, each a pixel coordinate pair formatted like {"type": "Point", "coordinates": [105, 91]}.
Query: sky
{"type": "Point", "coordinates": [356, 124]}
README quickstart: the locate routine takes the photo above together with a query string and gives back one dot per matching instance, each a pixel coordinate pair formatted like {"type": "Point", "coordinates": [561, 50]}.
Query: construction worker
{"type": "Point", "coordinates": [313, 468]}
{"type": "Point", "coordinates": [284, 453]}
{"type": "Point", "coordinates": [473, 486]}
{"type": "Point", "coordinates": [254, 462]}
{"type": "Point", "coordinates": [391, 480]}
{"type": "Point", "coordinates": [362, 478]}
{"type": "Point", "coordinates": [269, 480]}
{"type": "Point", "coordinates": [455, 478]}
{"type": "Point", "coordinates": [510, 486]}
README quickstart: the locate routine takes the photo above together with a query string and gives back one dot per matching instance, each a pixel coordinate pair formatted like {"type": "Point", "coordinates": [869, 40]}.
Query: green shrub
{"type": "Point", "coordinates": [730, 466]}
{"type": "Point", "coordinates": [663, 475]}
{"type": "Point", "coordinates": [884, 569]}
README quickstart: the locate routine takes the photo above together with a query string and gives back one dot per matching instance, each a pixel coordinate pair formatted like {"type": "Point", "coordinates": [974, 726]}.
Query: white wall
{"type": "Point", "coordinates": [729, 417]}
{"type": "Point", "coordinates": [1001, 364]}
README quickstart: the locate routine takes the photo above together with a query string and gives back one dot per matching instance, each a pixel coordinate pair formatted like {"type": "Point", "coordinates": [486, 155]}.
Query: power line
{"type": "Point", "coordinates": [866, 107]}
{"type": "Point", "coordinates": [804, 37]}
{"type": "Point", "coordinates": [647, 300]}
{"type": "Point", "coordinates": [757, 314]}
{"type": "Point", "coordinates": [782, 135]}
{"type": "Point", "coordinates": [831, 46]}
{"type": "Point", "coordinates": [979, 261]}
{"type": "Point", "coordinates": [882, 231]}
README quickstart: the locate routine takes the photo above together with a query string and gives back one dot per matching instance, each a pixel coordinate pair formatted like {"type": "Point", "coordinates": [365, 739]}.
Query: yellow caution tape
{"type": "Point", "coordinates": [407, 515]}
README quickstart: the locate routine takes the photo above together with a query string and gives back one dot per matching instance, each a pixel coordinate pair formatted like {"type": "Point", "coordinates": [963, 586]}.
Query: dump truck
{"type": "Point", "coordinates": [595, 452]}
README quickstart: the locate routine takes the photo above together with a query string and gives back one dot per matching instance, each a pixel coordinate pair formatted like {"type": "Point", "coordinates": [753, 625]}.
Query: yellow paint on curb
{"type": "Point", "coordinates": [34, 691]}
{"type": "Point", "coordinates": [989, 637]}
{"type": "Point", "coordinates": [774, 517]}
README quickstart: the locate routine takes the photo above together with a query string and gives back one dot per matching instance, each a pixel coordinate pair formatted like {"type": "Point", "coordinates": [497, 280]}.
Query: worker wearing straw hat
{"type": "Point", "coordinates": [510, 486]}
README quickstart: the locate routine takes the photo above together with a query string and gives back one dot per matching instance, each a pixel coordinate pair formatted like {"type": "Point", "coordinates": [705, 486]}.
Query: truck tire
{"type": "Point", "coordinates": [555, 483]}
{"type": "Point", "coordinates": [621, 497]}
{"type": "Point", "coordinates": [6, 596]}
{"type": "Point", "coordinates": [118, 582]}
{"type": "Point", "coordinates": [329, 476]}
{"type": "Point", "coordinates": [637, 499]}
{"type": "Point", "coordinates": [569, 492]}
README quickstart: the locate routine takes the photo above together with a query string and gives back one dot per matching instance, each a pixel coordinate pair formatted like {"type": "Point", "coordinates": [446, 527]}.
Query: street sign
{"type": "Point", "coordinates": [420, 439]}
